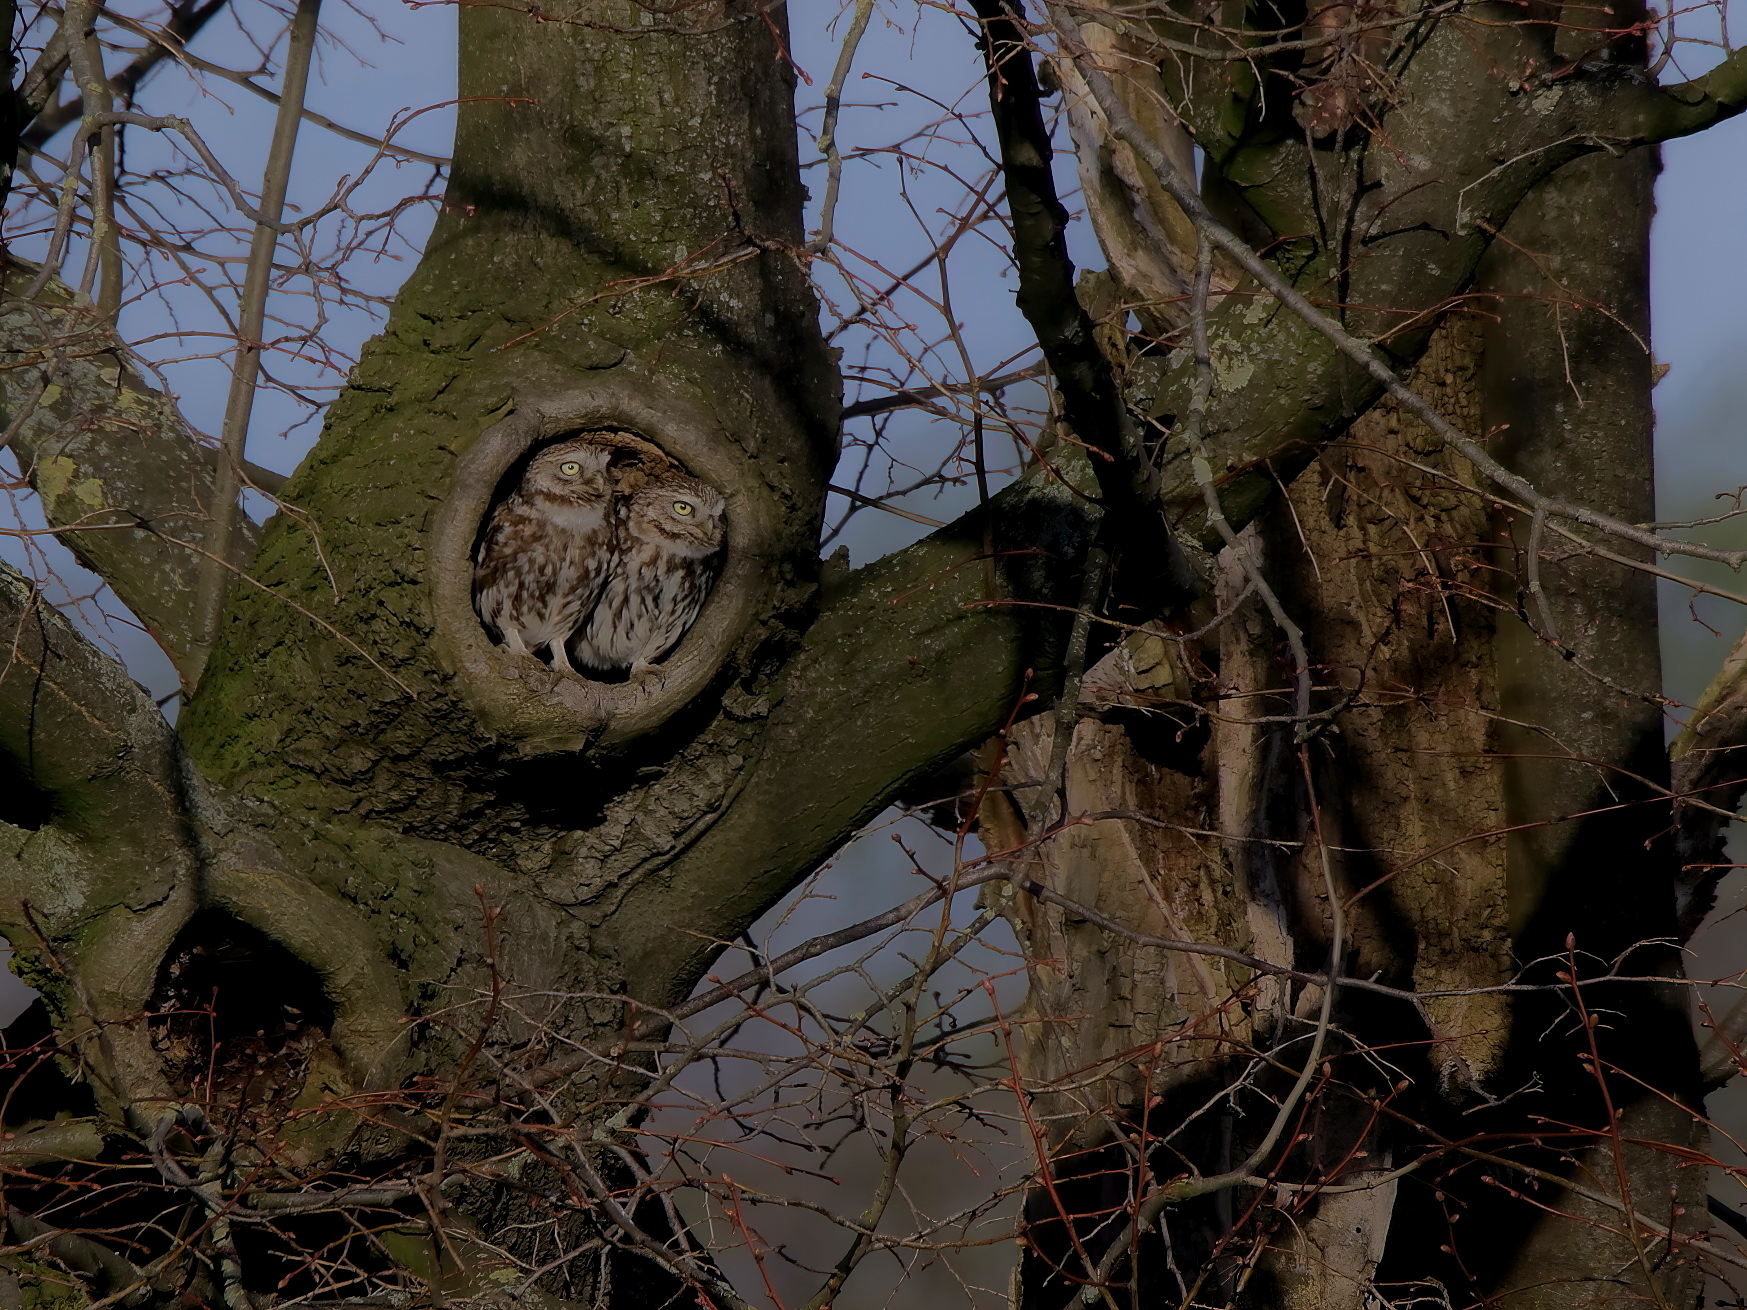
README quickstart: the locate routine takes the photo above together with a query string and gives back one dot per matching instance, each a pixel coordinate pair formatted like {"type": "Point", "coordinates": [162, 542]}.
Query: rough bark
{"type": "Point", "coordinates": [99, 869]}
{"type": "Point", "coordinates": [385, 813]}
{"type": "Point", "coordinates": [367, 801]}
{"type": "Point", "coordinates": [1205, 828]}
{"type": "Point", "coordinates": [120, 477]}
{"type": "Point", "coordinates": [1486, 751]}
{"type": "Point", "coordinates": [1589, 849]}
{"type": "Point", "coordinates": [1389, 230]}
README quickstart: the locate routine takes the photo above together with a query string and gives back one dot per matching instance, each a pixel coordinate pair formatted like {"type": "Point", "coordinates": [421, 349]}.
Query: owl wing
{"type": "Point", "coordinates": [578, 591]}
{"type": "Point", "coordinates": [617, 630]}
{"type": "Point", "coordinates": [499, 577]}
{"type": "Point", "coordinates": [605, 636]}
{"type": "Point", "coordinates": [654, 587]}
{"type": "Point", "coordinates": [536, 575]}
{"type": "Point", "coordinates": [680, 590]}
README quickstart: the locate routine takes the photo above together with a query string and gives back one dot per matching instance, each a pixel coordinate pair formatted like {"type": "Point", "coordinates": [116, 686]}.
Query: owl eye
{"type": "Point", "coordinates": [570, 468]}
{"type": "Point", "coordinates": [682, 508]}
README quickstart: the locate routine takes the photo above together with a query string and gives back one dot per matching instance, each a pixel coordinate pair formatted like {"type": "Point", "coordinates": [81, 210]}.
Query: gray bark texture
{"type": "Point", "coordinates": [1310, 941]}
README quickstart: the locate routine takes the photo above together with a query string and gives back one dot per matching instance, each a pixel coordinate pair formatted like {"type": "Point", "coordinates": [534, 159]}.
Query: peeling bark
{"type": "Point", "coordinates": [1471, 711]}
{"type": "Point", "coordinates": [1381, 548]}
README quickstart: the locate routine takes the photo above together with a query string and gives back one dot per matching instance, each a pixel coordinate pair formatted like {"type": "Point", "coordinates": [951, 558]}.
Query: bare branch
{"type": "Point", "coordinates": [214, 577]}
{"type": "Point", "coordinates": [907, 666]}
{"type": "Point", "coordinates": [1093, 404]}
{"type": "Point", "coordinates": [828, 131]}
{"type": "Point", "coordinates": [248, 84]}
{"type": "Point", "coordinates": [1647, 113]}
{"type": "Point", "coordinates": [922, 395]}
{"type": "Point", "coordinates": [184, 23]}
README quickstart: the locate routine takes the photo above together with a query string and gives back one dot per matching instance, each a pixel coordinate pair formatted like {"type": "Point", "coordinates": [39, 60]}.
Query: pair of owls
{"type": "Point", "coordinates": [603, 565]}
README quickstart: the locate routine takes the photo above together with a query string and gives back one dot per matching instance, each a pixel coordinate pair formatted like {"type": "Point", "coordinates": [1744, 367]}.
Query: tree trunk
{"type": "Point", "coordinates": [358, 976]}
{"type": "Point", "coordinates": [401, 864]}
{"type": "Point", "coordinates": [1478, 800]}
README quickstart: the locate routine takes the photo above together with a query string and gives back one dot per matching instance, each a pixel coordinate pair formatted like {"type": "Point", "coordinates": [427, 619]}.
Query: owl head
{"type": "Point", "coordinates": [570, 471]}
{"type": "Point", "coordinates": [683, 514]}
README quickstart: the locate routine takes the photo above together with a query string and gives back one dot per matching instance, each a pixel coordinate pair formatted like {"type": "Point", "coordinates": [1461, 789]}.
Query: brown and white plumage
{"type": "Point", "coordinates": [670, 534]}
{"type": "Point", "coordinates": [547, 550]}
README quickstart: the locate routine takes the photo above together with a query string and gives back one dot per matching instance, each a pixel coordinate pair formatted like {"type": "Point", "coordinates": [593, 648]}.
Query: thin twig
{"type": "Point", "coordinates": [828, 131]}
{"type": "Point", "coordinates": [873, 503]}
{"type": "Point", "coordinates": [922, 395]}
{"type": "Point", "coordinates": [251, 323]}
{"type": "Point", "coordinates": [184, 23]}
{"type": "Point", "coordinates": [166, 37]}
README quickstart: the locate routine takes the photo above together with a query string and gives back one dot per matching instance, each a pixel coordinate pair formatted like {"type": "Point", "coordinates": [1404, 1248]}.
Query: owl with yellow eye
{"type": "Point", "coordinates": [545, 554]}
{"type": "Point", "coordinates": [668, 540]}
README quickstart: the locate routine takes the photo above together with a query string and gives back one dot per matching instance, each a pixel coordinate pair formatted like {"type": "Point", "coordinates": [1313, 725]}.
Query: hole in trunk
{"type": "Point", "coordinates": [22, 803]}
{"type": "Point", "coordinates": [597, 554]}
{"type": "Point", "coordinates": [235, 1016]}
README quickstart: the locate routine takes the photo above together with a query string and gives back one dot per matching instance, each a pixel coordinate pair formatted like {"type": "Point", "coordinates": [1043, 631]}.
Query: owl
{"type": "Point", "coordinates": [669, 536]}
{"type": "Point", "coordinates": [547, 550]}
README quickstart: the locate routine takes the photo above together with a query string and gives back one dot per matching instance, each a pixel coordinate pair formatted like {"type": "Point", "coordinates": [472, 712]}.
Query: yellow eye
{"type": "Point", "coordinates": [682, 507]}
{"type": "Point", "coordinates": [570, 468]}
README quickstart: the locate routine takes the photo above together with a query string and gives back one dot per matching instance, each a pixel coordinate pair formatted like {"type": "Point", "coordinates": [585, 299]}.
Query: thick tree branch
{"type": "Point", "coordinates": [85, 1256]}
{"type": "Point", "coordinates": [93, 895]}
{"type": "Point", "coordinates": [1381, 262]}
{"type": "Point", "coordinates": [11, 103]}
{"type": "Point", "coordinates": [120, 477]}
{"type": "Point", "coordinates": [1092, 400]}
{"type": "Point", "coordinates": [76, 728]}
{"type": "Point", "coordinates": [35, 1145]}
{"type": "Point", "coordinates": [45, 74]}
{"type": "Point", "coordinates": [1091, 392]}
{"type": "Point", "coordinates": [1646, 113]}
{"type": "Point", "coordinates": [1368, 357]}
{"type": "Point", "coordinates": [910, 664]}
